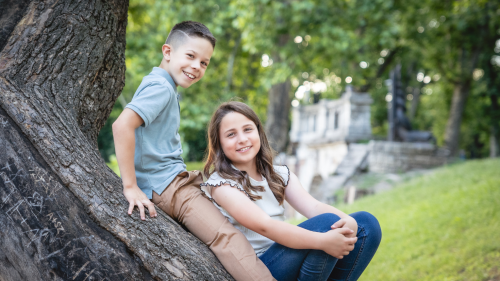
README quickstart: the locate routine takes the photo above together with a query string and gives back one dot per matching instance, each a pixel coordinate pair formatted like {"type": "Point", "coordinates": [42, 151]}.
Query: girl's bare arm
{"type": "Point", "coordinates": [242, 209]}
{"type": "Point", "coordinates": [309, 207]}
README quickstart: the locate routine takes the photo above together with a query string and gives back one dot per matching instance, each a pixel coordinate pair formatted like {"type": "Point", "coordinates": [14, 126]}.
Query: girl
{"type": "Point", "coordinates": [250, 191]}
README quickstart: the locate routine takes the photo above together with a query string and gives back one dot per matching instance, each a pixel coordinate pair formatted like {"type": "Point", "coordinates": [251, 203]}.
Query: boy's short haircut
{"type": "Point", "coordinates": [191, 29]}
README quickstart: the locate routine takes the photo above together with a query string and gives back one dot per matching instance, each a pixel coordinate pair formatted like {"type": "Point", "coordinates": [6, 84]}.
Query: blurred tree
{"type": "Point", "coordinates": [268, 49]}
{"type": "Point", "coordinates": [453, 36]}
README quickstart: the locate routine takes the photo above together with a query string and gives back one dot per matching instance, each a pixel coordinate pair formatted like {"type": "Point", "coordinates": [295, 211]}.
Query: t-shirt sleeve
{"type": "Point", "coordinates": [216, 180]}
{"type": "Point", "coordinates": [151, 100]}
{"type": "Point", "coordinates": [284, 172]}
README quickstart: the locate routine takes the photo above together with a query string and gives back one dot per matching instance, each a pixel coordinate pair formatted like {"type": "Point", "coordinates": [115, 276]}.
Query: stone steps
{"type": "Point", "coordinates": [355, 161]}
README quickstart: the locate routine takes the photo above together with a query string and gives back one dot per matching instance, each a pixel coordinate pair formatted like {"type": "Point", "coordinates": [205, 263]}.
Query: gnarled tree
{"type": "Point", "coordinates": [62, 212]}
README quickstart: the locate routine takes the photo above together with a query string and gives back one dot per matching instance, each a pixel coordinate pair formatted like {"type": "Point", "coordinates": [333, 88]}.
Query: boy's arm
{"type": "Point", "coordinates": [124, 137]}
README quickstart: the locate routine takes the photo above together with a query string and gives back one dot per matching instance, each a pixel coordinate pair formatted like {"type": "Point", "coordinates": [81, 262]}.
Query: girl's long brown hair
{"type": "Point", "coordinates": [216, 161]}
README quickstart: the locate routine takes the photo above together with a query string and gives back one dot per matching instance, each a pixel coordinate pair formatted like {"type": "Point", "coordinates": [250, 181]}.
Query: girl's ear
{"type": "Point", "coordinates": [166, 49]}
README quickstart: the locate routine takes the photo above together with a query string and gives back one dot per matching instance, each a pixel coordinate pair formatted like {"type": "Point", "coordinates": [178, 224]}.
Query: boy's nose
{"type": "Point", "coordinates": [196, 65]}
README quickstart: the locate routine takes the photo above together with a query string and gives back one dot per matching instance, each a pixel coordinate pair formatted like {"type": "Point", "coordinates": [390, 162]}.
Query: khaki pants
{"type": "Point", "coordinates": [184, 201]}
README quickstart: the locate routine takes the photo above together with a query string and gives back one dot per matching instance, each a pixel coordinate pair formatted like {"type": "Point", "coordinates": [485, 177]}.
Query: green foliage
{"type": "Point", "coordinates": [190, 166]}
{"type": "Point", "coordinates": [439, 39]}
{"type": "Point", "coordinates": [442, 226]}
{"type": "Point", "coordinates": [113, 164]}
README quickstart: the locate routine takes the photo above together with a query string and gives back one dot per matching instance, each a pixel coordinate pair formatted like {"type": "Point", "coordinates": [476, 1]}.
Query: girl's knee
{"type": "Point", "coordinates": [369, 222]}
{"type": "Point", "coordinates": [320, 223]}
{"type": "Point", "coordinates": [329, 217]}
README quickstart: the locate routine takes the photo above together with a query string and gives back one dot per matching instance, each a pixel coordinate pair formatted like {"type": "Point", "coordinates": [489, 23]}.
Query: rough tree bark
{"type": "Point", "coordinates": [278, 108]}
{"type": "Point", "coordinates": [62, 212]}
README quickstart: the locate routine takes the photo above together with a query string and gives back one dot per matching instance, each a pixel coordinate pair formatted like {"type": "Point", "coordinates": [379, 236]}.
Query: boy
{"type": "Point", "coordinates": [148, 150]}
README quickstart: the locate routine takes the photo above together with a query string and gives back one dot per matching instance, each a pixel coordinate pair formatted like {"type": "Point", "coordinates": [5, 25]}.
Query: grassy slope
{"type": "Point", "coordinates": [444, 226]}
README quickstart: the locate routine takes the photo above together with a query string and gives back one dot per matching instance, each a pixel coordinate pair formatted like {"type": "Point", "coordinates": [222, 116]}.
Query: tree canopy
{"type": "Point", "coordinates": [321, 46]}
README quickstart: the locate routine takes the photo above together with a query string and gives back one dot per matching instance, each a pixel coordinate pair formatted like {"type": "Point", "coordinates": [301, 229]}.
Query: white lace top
{"type": "Point", "coordinates": [268, 204]}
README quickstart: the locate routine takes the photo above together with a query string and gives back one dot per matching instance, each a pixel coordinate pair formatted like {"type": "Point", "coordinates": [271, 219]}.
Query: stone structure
{"type": "Point", "coordinates": [393, 157]}
{"type": "Point", "coordinates": [321, 132]}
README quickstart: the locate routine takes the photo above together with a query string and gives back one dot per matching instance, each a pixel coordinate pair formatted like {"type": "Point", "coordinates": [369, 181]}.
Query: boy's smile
{"type": "Point", "coordinates": [187, 62]}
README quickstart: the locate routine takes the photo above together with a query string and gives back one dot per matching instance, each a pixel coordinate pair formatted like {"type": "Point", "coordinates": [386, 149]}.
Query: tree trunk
{"type": "Point", "coordinates": [495, 130]}
{"type": "Point", "coordinates": [277, 115]}
{"type": "Point", "coordinates": [62, 212]}
{"type": "Point", "coordinates": [452, 133]}
{"type": "Point", "coordinates": [230, 64]}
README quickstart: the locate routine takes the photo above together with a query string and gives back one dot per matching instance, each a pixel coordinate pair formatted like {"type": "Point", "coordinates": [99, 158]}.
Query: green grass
{"type": "Point", "coordinates": [442, 226]}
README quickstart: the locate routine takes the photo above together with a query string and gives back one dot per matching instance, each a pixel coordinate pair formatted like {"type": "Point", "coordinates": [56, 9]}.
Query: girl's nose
{"type": "Point", "coordinates": [242, 138]}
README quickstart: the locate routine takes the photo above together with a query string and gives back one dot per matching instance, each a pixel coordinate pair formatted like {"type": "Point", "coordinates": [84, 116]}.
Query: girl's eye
{"type": "Point", "coordinates": [230, 135]}
{"type": "Point", "coordinates": [191, 56]}
{"type": "Point", "coordinates": [248, 129]}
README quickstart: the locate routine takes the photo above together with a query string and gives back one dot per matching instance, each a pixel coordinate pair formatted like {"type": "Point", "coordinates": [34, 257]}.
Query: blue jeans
{"type": "Point", "coordinates": [294, 264]}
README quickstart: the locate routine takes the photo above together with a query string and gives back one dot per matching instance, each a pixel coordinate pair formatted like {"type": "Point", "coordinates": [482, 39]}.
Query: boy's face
{"type": "Point", "coordinates": [188, 61]}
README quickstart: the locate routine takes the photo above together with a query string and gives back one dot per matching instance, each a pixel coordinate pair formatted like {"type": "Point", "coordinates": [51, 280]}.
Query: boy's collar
{"type": "Point", "coordinates": [163, 73]}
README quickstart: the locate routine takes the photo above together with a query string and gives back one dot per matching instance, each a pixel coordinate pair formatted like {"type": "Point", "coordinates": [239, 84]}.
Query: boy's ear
{"type": "Point", "coordinates": [166, 49]}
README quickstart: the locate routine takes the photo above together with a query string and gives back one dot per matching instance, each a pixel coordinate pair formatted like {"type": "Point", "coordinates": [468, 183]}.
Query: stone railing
{"type": "Point", "coordinates": [328, 121]}
{"type": "Point", "coordinates": [391, 157]}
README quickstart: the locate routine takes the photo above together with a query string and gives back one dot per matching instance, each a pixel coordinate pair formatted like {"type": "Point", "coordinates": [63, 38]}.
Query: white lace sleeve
{"type": "Point", "coordinates": [284, 172]}
{"type": "Point", "coordinates": [216, 180]}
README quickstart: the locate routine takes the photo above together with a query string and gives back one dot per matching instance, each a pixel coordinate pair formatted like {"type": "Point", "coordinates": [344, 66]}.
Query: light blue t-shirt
{"type": "Point", "coordinates": [158, 148]}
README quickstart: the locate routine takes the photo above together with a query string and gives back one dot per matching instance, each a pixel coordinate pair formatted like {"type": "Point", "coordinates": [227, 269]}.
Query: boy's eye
{"type": "Point", "coordinates": [191, 56]}
{"type": "Point", "coordinates": [204, 63]}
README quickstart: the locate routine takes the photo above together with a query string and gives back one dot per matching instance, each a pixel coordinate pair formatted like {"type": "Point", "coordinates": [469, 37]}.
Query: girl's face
{"type": "Point", "coordinates": [239, 138]}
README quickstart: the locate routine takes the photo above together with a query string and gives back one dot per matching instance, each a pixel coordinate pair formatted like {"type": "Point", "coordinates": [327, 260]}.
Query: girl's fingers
{"type": "Point", "coordinates": [344, 231]}
{"type": "Point", "coordinates": [339, 224]}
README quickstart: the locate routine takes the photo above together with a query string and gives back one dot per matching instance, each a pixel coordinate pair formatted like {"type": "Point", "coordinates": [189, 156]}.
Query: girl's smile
{"type": "Point", "coordinates": [244, 149]}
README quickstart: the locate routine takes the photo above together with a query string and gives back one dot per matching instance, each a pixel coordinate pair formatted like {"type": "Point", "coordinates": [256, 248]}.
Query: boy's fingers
{"type": "Point", "coordinates": [130, 208]}
{"type": "Point", "coordinates": [152, 210]}
{"type": "Point", "coordinates": [353, 240]}
{"type": "Point", "coordinates": [141, 210]}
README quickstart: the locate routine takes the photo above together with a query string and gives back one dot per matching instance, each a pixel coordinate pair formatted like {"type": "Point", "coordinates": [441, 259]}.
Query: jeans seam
{"type": "Point", "coordinates": [324, 264]}
{"type": "Point", "coordinates": [275, 257]}
{"type": "Point", "coordinates": [359, 253]}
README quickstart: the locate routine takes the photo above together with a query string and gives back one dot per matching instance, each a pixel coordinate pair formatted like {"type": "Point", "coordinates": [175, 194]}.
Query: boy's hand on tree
{"type": "Point", "coordinates": [348, 222]}
{"type": "Point", "coordinates": [337, 244]}
{"type": "Point", "coordinates": [136, 197]}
